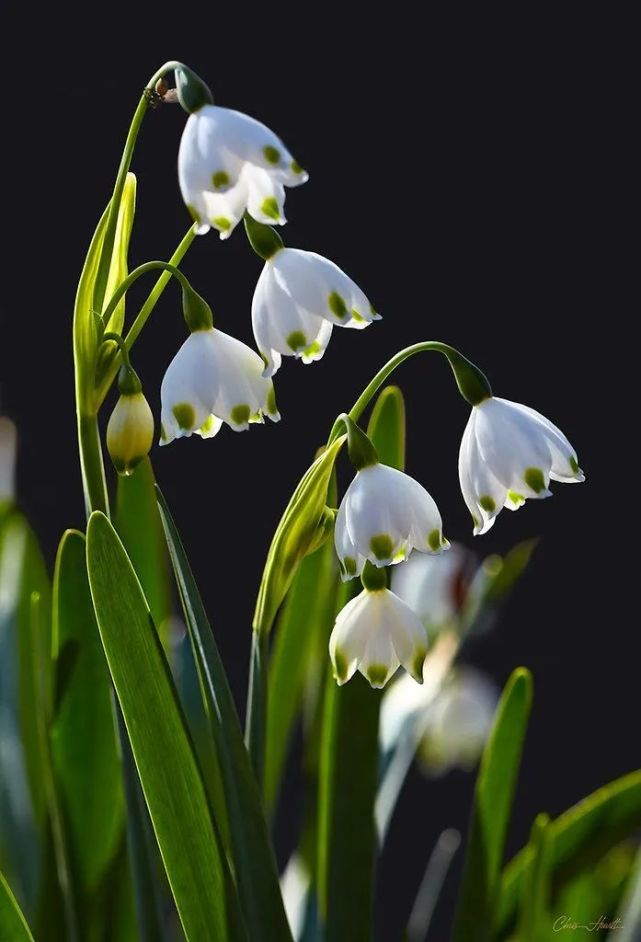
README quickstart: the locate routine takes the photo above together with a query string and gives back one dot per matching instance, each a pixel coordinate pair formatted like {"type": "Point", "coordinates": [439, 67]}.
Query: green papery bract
{"type": "Point", "coordinates": [295, 536]}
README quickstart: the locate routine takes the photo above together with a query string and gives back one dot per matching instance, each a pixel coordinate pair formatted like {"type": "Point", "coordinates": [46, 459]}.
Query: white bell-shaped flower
{"type": "Point", "coordinates": [449, 722]}
{"type": "Point", "coordinates": [384, 515]}
{"type": "Point", "coordinates": [375, 633]}
{"type": "Point", "coordinates": [508, 453]}
{"type": "Point", "coordinates": [8, 439]}
{"type": "Point", "coordinates": [214, 378]}
{"type": "Point", "coordinates": [435, 587]}
{"type": "Point", "coordinates": [299, 297]}
{"type": "Point", "coordinates": [229, 163]}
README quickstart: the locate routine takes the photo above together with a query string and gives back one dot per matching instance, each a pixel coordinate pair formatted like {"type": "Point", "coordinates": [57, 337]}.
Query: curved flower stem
{"type": "Point", "coordinates": [133, 276]}
{"type": "Point", "coordinates": [472, 383]}
{"type": "Point", "coordinates": [125, 162]}
{"type": "Point", "coordinates": [143, 315]}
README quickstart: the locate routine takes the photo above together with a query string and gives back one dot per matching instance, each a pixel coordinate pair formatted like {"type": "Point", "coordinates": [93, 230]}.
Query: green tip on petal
{"type": "Point", "coordinates": [348, 564]}
{"type": "Point", "coordinates": [220, 179]}
{"type": "Point", "coordinates": [534, 479]}
{"type": "Point", "coordinates": [515, 498]}
{"type": "Point", "coordinates": [337, 305]}
{"type": "Point", "coordinates": [297, 341]}
{"type": "Point", "coordinates": [185, 416]}
{"type": "Point", "coordinates": [340, 667]}
{"type": "Point", "coordinates": [435, 540]}
{"type": "Point", "coordinates": [222, 223]}
{"type": "Point", "coordinates": [377, 675]}
{"type": "Point", "coordinates": [417, 665]}
{"type": "Point", "coordinates": [240, 414]}
{"type": "Point", "coordinates": [296, 168]}
{"type": "Point", "coordinates": [272, 154]}
{"type": "Point", "coordinates": [269, 207]}
{"type": "Point", "coordinates": [574, 464]}
{"type": "Point", "coordinates": [488, 504]}
{"type": "Point", "coordinates": [381, 546]}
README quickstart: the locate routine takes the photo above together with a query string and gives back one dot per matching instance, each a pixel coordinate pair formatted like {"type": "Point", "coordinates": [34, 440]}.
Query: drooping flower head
{"type": "Point", "coordinates": [375, 633]}
{"type": "Point", "coordinates": [299, 298]}
{"type": "Point", "coordinates": [384, 515]}
{"type": "Point", "coordinates": [130, 431]}
{"type": "Point", "coordinates": [510, 453]}
{"type": "Point", "coordinates": [214, 378]}
{"type": "Point", "coordinates": [229, 163]}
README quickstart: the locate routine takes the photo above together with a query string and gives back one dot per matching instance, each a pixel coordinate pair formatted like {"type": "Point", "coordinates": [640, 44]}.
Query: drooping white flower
{"type": "Point", "coordinates": [435, 587]}
{"type": "Point", "coordinates": [300, 296]}
{"type": "Point", "coordinates": [8, 438]}
{"type": "Point", "coordinates": [229, 163]}
{"type": "Point", "coordinates": [214, 378]}
{"type": "Point", "coordinates": [375, 633]}
{"type": "Point", "coordinates": [509, 453]}
{"type": "Point", "coordinates": [449, 721]}
{"type": "Point", "coordinates": [382, 517]}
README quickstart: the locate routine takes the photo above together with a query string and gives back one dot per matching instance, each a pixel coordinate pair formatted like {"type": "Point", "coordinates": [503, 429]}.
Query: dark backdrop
{"type": "Point", "coordinates": [460, 172]}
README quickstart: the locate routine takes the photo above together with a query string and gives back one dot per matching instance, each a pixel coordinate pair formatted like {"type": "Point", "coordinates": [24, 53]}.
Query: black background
{"type": "Point", "coordinates": [463, 173]}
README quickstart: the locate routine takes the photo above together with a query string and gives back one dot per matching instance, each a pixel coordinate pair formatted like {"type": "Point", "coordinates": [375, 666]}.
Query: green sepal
{"type": "Point", "coordinates": [473, 384]}
{"type": "Point", "coordinates": [264, 240]}
{"type": "Point", "coordinates": [128, 381]}
{"type": "Point", "coordinates": [192, 92]}
{"type": "Point", "coordinates": [374, 578]}
{"type": "Point", "coordinates": [362, 453]}
{"type": "Point", "coordinates": [198, 314]}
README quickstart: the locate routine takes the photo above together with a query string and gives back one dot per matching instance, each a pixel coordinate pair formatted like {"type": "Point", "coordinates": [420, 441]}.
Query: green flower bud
{"type": "Point", "coordinates": [130, 431]}
{"type": "Point", "coordinates": [192, 92]}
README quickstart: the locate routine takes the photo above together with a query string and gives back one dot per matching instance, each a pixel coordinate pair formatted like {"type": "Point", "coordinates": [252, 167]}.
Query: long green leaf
{"type": "Point", "coordinates": [578, 838]}
{"type": "Point", "coordinates": [164, 755]}
{"type": "Point", "coordinates": [347, 844]}
{"type": "Point", "coordinates": [13, 925]}
{"type": "Point", "coordinates": [493, 799]}
{"type": "Point", "coordinates": [254, 861]}
{"type": "Point", "coordinates": [139, 526]}
{"type": "Point", "coordinates": [535, 921]}
{"type": "Point", "coordinates": [83, 743]}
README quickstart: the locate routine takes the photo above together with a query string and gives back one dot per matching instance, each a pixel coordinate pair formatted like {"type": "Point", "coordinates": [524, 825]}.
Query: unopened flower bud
{"type": "Point", "coordinates": [130, 432]}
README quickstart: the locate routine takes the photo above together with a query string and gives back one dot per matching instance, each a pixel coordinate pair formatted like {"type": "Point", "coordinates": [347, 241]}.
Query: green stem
{"type": "Point", "coordinates": [472, 383]}
{"type": "Point", "coordinates": [102, 276]}
{"type": "Point", "coordinates": [93, 469]}
{"type": "Point", "coordinates": [133, 276]}
{"type": "Point", "coordinates": [256, 719]}
{"type": "Point", "coordinates": [143, 315]}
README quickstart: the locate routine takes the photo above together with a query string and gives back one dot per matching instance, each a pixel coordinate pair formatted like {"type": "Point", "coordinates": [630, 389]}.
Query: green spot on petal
{"type": "Point", "coordinates": [382, 546]}
{"type": "Point", "coordinates": [516, 498]}
{"type": "Point", "coordinates": [434, 539]}
{"type": "Point", "coordinates": [269, 207]}
{"type": "Point", "coordinates": [349, 565]}
{"type": "Point", "coordinates": [377, 674]}
{"type": "Point", "coordinates": [488, 504]}
{"type": "Point", "coordinates": [222, 223]}
{"type": "Point", "coordinates": [296, 340]}
{"type": "Point", "coordinates": [337, 305]}
{"type": "Point", "coordinates": [220, 179]}
{"type": "Point", "coordinates": [476, 521]}
{"type": "Point", "coordinates": [270, 403]}
{"type": "Point", "coordinates": [417, 663]}
{"type": "Point", "coordinates": [272, 154]}
{"type": "Point", "coordinates": [208, 425]}
{"type": "Point", "coordinates": [313, 348]}
{"type": "Point", "coordinates": [185, 415]}
{"type": "Point", "coordinates": [357, 317]}
{"type": "Point", "coordinates": [163, 433]}
{"type": "Point", "coordinates": [534, 479]}
{"type": "Point", "coordinates": [296, 167]}
{"type": "Point", "coordinates": [574, 464]}
{"type": "Point", "coordinates": [340, 666]}
{"type": "Point", "coordinates": [240, 415]}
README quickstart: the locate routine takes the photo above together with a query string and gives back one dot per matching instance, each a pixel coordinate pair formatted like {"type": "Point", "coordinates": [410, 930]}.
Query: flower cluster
{"type": "Point", "coordinates": [231, 167]}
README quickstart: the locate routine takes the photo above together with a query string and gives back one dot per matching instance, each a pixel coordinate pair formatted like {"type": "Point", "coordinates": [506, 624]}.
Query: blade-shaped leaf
{"type": "Point", "coordinates": [165, 759]}
{"type": "Point", "coordinates": [83, 742]}
{"type": "Point", "coordinates": [493, 799]}
{"type": "Point", "coordinates": [118, 267]}
{"type": "Point", "coordinates": [254, 861]}
{"type": "Point", "coordinates": [578, 838]}
{"type": "Point", "coordinates": [140, 528]}
{"type": "Point", "coordinates": [347, 844]}
{"type": "Point", "coordinates": [535, 921]}
{"type": "Point", "coordinates": [13, 925]}
{"type": "Point", "coordinates": [293, 536]}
